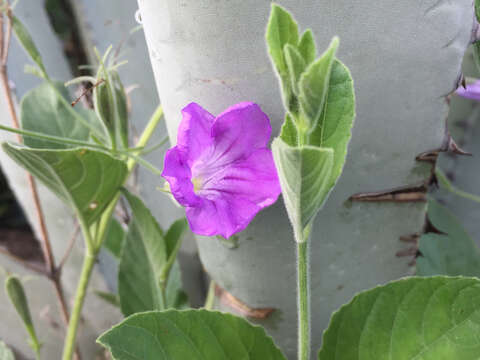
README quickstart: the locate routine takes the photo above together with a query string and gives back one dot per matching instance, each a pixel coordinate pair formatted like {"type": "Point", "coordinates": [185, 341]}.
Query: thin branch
{"type": "Point", "coordinates": [74, 236]}
{"type": "Point", "coordinates": [86, 91]}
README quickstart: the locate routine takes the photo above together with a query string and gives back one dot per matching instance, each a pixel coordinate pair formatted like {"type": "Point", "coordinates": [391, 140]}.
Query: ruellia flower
{"type": "Point", "coordinates": [221, 170]}
{"type": "Point", "coordinates": [471, 92]}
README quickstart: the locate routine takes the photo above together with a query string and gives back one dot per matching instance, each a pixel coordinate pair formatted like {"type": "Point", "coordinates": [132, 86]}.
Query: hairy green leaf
{"type": "Point", "coordinates": [114, 238]}
{"type": "Point", "coordinates": [27, 43]}
{"type": "Point", "coordinates": [85, 179]}
{"type": "Point", "coordinates": [296, 66]}
{"type": "Point", "coordinates": [313, 86]}
{"type": "Point", "coordinates": [304, 174]}
{"type": "Point", "coordinates": [189, 334]}
{"type": "Point", "coordinates": [415, 318]}
{"type": "Point", "coordinates": [5, 352]}
{"type": "Point", "coordinates": [288, 133]}
{"type": "Point", "coordinates": [16, 294]}
{"type": "Point", "coordinates": [335, 124]}
{"type": "Point", "coordinates": [41, 110]}
{"type": "Point", "coordinates": [307, 47]}
{"type": "Point", "coordinates": [144, 259]}
{"type": "Point", "coordinates": [451, 253]}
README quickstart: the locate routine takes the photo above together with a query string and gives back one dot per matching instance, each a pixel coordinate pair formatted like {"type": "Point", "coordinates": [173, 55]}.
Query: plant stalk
{"type": "Point", "coordinates": [303, 298]}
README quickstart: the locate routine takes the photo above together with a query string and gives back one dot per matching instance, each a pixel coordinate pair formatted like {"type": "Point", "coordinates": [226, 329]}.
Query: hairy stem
{"type": "Point", "coordinates": [303, 298]}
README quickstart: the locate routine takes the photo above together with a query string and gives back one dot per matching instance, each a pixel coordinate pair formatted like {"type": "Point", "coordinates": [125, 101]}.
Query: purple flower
{"type": "Point", "coordinates": [471, 92]}
{"type": "Point", "coordinates": [221, 169]}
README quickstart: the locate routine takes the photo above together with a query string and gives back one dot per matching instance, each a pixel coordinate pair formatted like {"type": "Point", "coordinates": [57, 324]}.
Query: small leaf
{"type": "Point", "coordinates": [288, 133]}
{"type": "Point", "coordinates": [5, 352]}
{"type": "Point", "coordinates": [335, 124]}
{"type": "Point", "coordinates": [452, 253]}
{"type": "Point", "coordinates": [189, 334]}
{"type": "Point", "coordinates": [144, 257]}
{"type": "Point", "coordinates": [307, 47]}
{"type": "Point", "coordinates": [17, 296]}
{"type": "Point", "coordinates": [314, 83]}
{"type": "Point", "coordinates": [477, 9]}
{"type": "Point", "coordinates": [414, 318]}
{"type": "Point", "coordinates": [85, 179]}
{"type": "Point", "coordinates": [41, 110]}
{"type": "Point", "coordinates": [174, 235]}
{"type": "Point", "coordinates": [114, 238]}
{"type": "Point", "coordinates": [296, 66]}
{"type": "Point", "coordinates": [304, 174]}
{"type": "Point", "coordinates": [108, 297]}
{"type": "Point", "coordinates": [27, 43]}
{"type": "Point", "coordinates": [282, 30]}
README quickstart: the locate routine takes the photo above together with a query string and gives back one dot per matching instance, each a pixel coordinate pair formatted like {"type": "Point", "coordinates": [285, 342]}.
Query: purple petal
{"type": "Point", "coordinates": [194, 132]}
{"type": "Point", "coordinates": [221, 217]}
{"type": "Point", "coordinates": [471, 92]}
{"type": "Point", "coordinates": [239, 131]}
{"type": "Point", "coordinates": [177, 172]}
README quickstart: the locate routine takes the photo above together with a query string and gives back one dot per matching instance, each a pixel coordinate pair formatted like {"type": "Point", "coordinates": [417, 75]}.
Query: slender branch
{"type": "Point", "coordinates": [46, 247]}
{"type": "Point", "coordinates": [70, 247]}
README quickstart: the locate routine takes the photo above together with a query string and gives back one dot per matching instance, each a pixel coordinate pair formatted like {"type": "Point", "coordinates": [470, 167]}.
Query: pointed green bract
{"type": "Point", "coordinates": [304, 173]}
{"type": "Point", "coordinates": [27, 43]}
{"type": "Point", "coordinates": [189, 334]}
{"type": "Point", "coordinates": [42, 111]}
{"type": "Point", "coordinates": [307, 47]}
{"type": "Point", "coordinates": [335, 124]}
{"type": "Point", "coordinates": [296, 66]}
{"type": "Point", "coordinates": [289, 133]}
{"type": "Point", "coordinates": [451, 253]}
{"type": "Point", "coordinates": [144, 259]}
{"type": "Point", "coordinates": [414, 318]}
{"type": "Point", "coordinates": [85, 179]}
{"type": "Point", "coordinates": [5, 352]}
{"type": "Point", "coordinates": [313, 86]}
{"type": "Point", "coordinates": [16, 294]}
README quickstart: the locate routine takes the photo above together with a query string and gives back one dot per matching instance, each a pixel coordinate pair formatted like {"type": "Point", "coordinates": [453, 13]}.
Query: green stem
{"type": "Point", "coordinates": [210, 300]}
{"type": "Point", "coordinates": [303, 298]}
{"type": "Point", "coordinates": [93, 246]}
{"type": "Point", "coordinates": [88, 263]}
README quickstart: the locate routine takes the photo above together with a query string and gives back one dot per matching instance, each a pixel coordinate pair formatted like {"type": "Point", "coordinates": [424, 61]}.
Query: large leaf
{"type": "Point", "coordinates": [85, 179]}
{"type": "Point", "coordinates": [143, 262]}
{"type": "Point", "coordinates": [304, 175]}
{"type": "Point", "coordinates": [416, 318]}
{"type": "Point", "coordinates": [190, 334]}
{"type": "Point", "coordinates": [335, 124]}
{"type": "Point", "coordinates": [5, 352]}
{"type": "Point", "coordinates": [451, 253]}
{"type": "Point", "coordinates": [42, 110]}
{"type": "Point", "coordinates": [314, 84]}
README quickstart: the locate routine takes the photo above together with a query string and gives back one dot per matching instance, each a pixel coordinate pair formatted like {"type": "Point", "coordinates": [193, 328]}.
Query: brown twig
{"type": "Point", "coordinates": [86, 91]}
{"type": "Point", "coordinates": [51, 271]}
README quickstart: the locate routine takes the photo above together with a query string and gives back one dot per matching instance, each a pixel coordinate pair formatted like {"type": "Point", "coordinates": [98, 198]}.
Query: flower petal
{"type": "Point", "coordinates": [177, 172]}
{"type": "Point", "coordinates": [194, 132]}
{"type": "Point", "coordinates": [471, 92]}
{"type": "Point", "coordinates": [221, 216]}
{"type": "Point", "coordinates": [239, 131]}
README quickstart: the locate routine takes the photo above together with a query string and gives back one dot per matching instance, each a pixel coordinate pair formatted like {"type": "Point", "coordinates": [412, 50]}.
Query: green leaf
{"type": "Point", "coordinates": [313, 86]}
{"type": "Point", "coordinates": [335, 124]}
{"type": "Point", "coordinates": [415, 318]}
{"type": "Point", "coordinates": [41, 110]}
{"type": "Point", "coordinates": [452, 253]}
{"type": "Point", "coordinates": [27, 43]}
{"type": "Point", "coordinates": [307, 47]}
{"type": "Point", "coordinates": [282, 30]}
{"type": "Point", "coordinates": [477, 9]}
{"type": "Point", "coordinates": [85, 179]}
{"type": "Point", "coordinates": [16, 294]}
{"type": "Point", "coordinates": [142, 264]}
{"type": "Point", "coordinates": [304, 174]}
{"type": "Point", "coordinates": [114, 238]}
{"type": "Point", "coordinates": [108, 297]}
{"type": "Point", "coordinates": [5, 352]}
{"type": "Point", "coordinates": [288, 133]}
{"type": "Point", "coordinates": [189, 334]}
{"type": "Point", "coordinates": [296, 66]}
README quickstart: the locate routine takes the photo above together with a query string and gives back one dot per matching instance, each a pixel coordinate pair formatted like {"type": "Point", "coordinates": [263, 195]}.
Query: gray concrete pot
{"type": "Point", "coordinates": [405, 56]}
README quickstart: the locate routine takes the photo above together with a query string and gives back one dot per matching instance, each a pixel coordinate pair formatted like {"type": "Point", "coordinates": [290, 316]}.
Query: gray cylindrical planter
{"type": "Point", "coordinates": [404, 56]}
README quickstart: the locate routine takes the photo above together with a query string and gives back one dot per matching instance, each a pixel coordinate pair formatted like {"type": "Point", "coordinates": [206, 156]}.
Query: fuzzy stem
{"type": "Point", "coordinates": [88, 263]}
{"type": "Point", "coordinates": [303, 298]}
